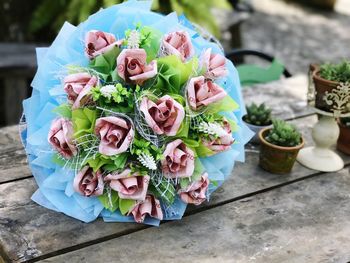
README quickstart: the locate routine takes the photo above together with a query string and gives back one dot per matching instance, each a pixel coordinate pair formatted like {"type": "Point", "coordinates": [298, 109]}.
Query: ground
{"type": "Point", "coordinates": [297, 35]}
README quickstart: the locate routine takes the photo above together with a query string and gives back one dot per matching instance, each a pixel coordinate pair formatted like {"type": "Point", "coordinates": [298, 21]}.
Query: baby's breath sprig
{"type": "Point", "coordinates": [146, 153]}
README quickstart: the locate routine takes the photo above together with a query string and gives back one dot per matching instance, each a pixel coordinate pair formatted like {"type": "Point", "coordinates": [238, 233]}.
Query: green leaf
{"type": "Point", "coordinates": [227, 104]}
{"type": "Point", "coordinates": [83, 121]}
{"type": "Point", "coordinates": [111, 203]}
{"type": "Point", "coordinates": [105, 63]}
{"type": "Point", "coordinates": [153, 42]}
{"type": "Point", "coordinates": [99, 161]}
{"type": "Point", "coordinates": [63, 110]}
{"type": "Point", "coordinates": [173, 73]}
{"type": "Point", "coordinates": [164, 190]}
{"type": "Point", "coordinates": [203, 151]}
{"type": "Point", "coordinates": [190, 142]}
{"type": "Point", "coordinates": [125, 205]}
{"type": "Point", "coordinates": [214, 183]}
{"type": "Point", "coordinates": [184, 128]}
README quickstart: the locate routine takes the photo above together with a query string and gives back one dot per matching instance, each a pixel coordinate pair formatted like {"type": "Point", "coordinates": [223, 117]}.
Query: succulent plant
{"type": "Point", "coordinates": [336, 72]}
{"type": "Point", "coordinates": [283, 134]}
{"type": "Point", "coordinates": [345, 121]}
{"type": "Point", "coordinates": [259, 115]}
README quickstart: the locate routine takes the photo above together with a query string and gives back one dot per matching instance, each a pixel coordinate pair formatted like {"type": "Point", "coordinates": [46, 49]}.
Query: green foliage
{"type": "Point", "coordinates": [64, 110]}
{"type": "Point", "coordinates": [105, 64]}
{"type": "Point", "coordinates": [142, 146]}
{"type": "Point", "coordinates": [173, 73]}
{"type": "Point", "coordinates": [336, 72]}
{"type": "Point", "coordinates": [259, 115]}
{"type": "Point", "coordinates": [52, 14]}
{"type": "Point", "coordinates": [121, 97]}
{"type": "Point", "coordinates": [164, 190]}
{"type": "Point", "coordinates": [345, 121]}
{"type": "Point", "coordinates": [109, 163]}
{"type": "Point", "coordinates": [283, 134]}
{"type": "Point", "coordinates": [227, 104]}
{"type": "Point", "coordinates": [125, 205]}
{"type": "Point", "coordinates": [197, 11]}
{"type": "Point", "coordinates": [83, 121]}
{"type": "Point", "coordinates": [109, 200]}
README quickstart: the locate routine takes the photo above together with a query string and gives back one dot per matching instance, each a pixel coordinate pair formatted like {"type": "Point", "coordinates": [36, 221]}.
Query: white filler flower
{"type": "Point", "coordinates": [107, 91]}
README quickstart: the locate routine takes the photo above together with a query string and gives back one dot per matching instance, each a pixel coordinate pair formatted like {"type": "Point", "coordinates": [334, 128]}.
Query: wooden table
{"type": "Point", "coordinates": [255, 217]}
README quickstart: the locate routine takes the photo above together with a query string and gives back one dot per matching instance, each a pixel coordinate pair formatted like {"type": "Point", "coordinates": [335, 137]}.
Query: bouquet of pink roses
{"type": "Point", "coordinates": [141, 126]}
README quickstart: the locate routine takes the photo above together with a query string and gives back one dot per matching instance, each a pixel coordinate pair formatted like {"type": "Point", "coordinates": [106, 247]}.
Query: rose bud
{"type": "Point", "coordinates": [98, 42]}
{"type": "Point", "coordinates": [115, 134]}
{"type": "Point", "coordinates": [195, 193]}
{"type": "Point", "coordinates": [61, 137]}
{"type": "Point", "coordinates": [128, 185]}
{"type": "Point", "coordinates": [150, 206]}
{"type": "Point", "coordinates": [214, 65]}
{"type": "Point", "coordinates": [178, 160]}
{"type": "Point", "coordinates": [164, 116]}
{"type": "Point", "coordinates": [178, 43]}
{"type": "Point", "coordinates": [203, 92]}
{"type": "Point", "coordinates": [88, 183]}
{"type": "Point", "coordinates": [77, 86]}
{"type": "Point", "coordinates": [132, 66]}
{"type": "Point", "coordinates": [224, 140]}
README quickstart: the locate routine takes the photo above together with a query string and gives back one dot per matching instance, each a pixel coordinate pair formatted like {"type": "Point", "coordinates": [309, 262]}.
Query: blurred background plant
{"type": "Point", "coordinates": [47, 16]}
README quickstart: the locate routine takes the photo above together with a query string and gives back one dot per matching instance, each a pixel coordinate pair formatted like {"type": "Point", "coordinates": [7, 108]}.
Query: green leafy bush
{"type": "Point", "coordinates": [52, 14]}
{"type": "Point", "coordinates": [283, 134]}
{"type": "Point", "coordinates": [259, 115]}
{"type": "Point", "coordinates": [336, 72]}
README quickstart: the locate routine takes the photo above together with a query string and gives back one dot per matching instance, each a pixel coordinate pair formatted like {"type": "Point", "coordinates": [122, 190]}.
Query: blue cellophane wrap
{"type": "Point", "coordinates": [56, 183]}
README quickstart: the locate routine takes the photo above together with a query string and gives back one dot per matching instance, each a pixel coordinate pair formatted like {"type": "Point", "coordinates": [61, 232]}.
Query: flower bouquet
{"type": "Point", "coordinates": [133, 116]}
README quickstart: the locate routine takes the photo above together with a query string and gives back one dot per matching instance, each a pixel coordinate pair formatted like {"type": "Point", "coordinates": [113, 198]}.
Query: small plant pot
{"type": "Point", "coordinates": [321, 87]}
{"type": "Point", "coordinates": [277, 159]}
{"type": "Point", "coordinates": [256, 129]}
{"type": "Point", "coordinates": [343, 143]}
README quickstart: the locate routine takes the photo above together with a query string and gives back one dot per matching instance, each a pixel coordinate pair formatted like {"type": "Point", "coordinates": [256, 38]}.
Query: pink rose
{"type": "Point", "coordinates": [223, 142]}
{"type": "Point", "coordinates": [178, 43]}
{"type": "Point", "coordinates": [178, 160]}
{"type": "Point", "coordinates": [214, 65]}
{"type": "Point", "coordinates": [164, 116]}
{"type": "Point", "coordinates": [203, 92]}
{"type": "Point", "coordinates": [129, 186]}
{"type": "Point", "coordinates": [77, 86]}
{"type": "Point", "coordinates": [131, 66]}
{"type": "Point", "coordinates": [115, 133]}
{"type": "Point", "coordinates": [88, 183]}
{"type": "Point", "coordinates": [150, 206]}
{"type": "Point", "coordinates": [98, 42]}
{"type": "Point", "coordinates": [195, 193]}
{"type": "Point", "coordinates": [61, 137]}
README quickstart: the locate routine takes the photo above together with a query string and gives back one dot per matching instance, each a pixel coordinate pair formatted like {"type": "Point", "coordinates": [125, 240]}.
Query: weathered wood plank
{"type": "Point", "coordinates": [9, 138]}
{"type": "Point", "coordinates": [13, 160]}
{"type": "Point", "coordinates": [303, 222]}
{"type": "Point", "coordinates": [24, 226]}
{"type": "Point", "coordinates": [286, 97]}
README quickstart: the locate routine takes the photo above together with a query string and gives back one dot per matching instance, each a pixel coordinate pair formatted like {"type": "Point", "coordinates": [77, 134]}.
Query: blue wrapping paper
{"type": "Point", "coordinates": [55, 183]}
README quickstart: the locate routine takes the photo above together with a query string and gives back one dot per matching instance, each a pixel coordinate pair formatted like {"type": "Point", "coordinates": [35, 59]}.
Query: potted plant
{"type": "Point", "coordinates": [257, 118]}
{"type": "Point", "coordinates": [279, 147]}
{"type": "Point", "coordinates": [343, 143]}
{"type": "Point", "coordinates": [327, 77]}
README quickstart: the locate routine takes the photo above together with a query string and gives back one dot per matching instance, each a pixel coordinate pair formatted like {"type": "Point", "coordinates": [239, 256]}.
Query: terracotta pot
{"type": "Point", "coordinates": [343, 143]}
{"type": "Point", "coordinates": [277, 159]}
{"type": "Point", "coordinates": [321, 86]}
{"type": "Point", "coordinates": [256, 129]}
